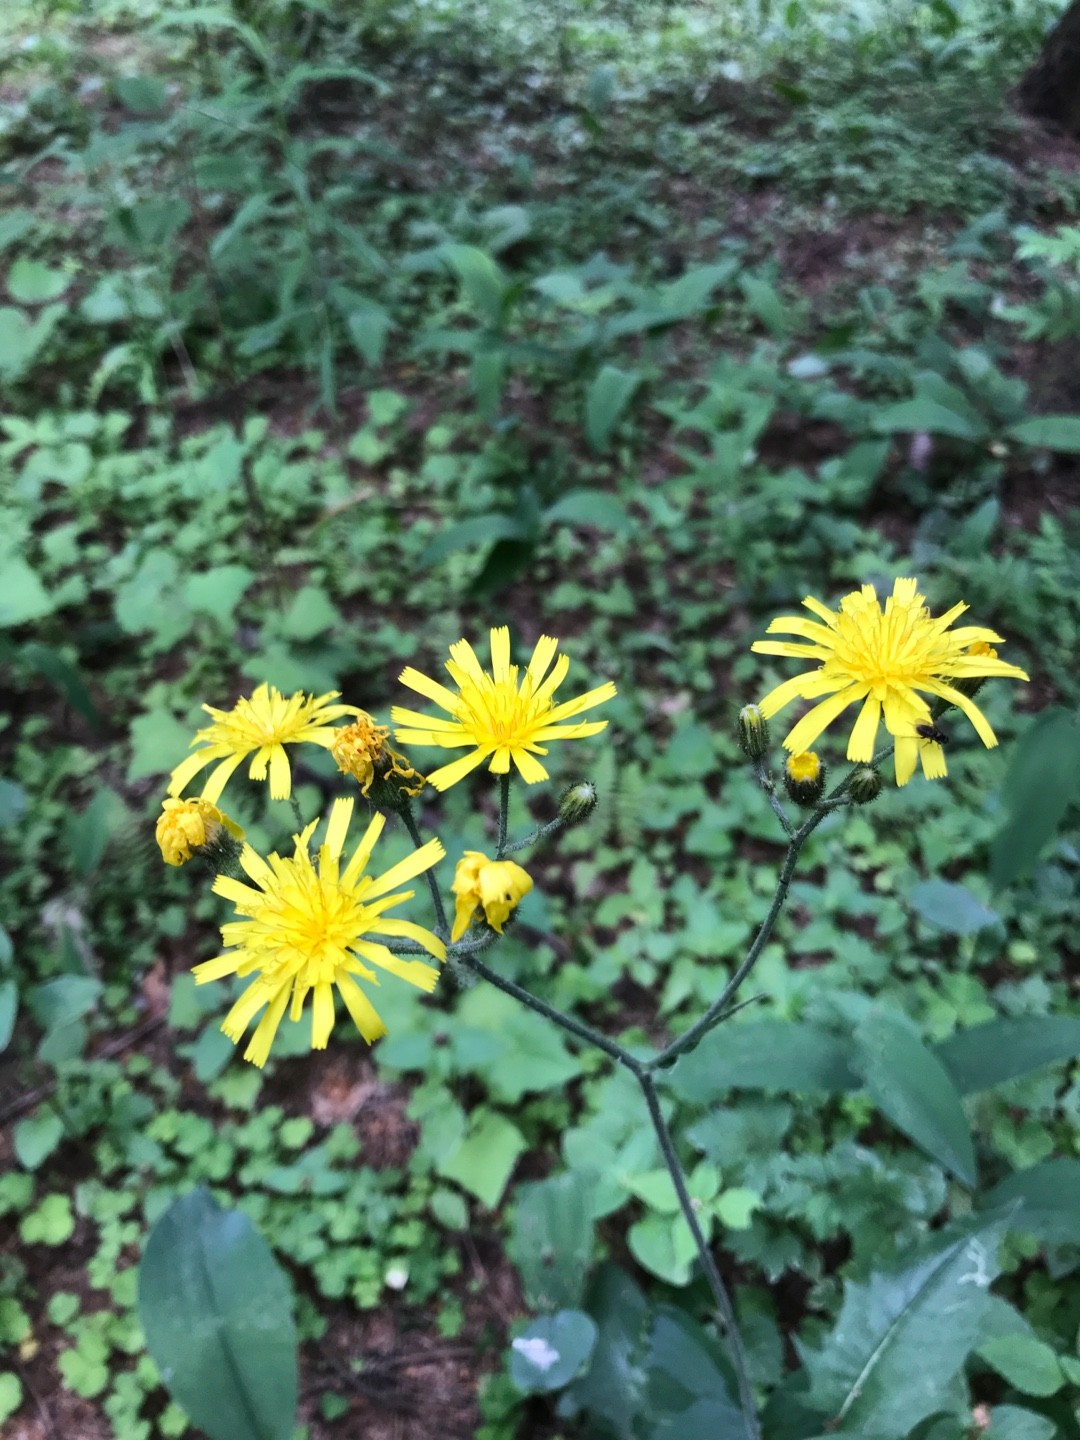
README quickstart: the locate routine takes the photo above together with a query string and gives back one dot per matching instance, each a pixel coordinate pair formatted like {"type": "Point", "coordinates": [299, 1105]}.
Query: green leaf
{"type": "Point", "coordinates": [21, 339]}
{"type": "Point", "coordinates": [9, 1008]}
{"type": "Point", "coordinates": [69, 997]}
{"type": "Point", "coordinates": [654, 1244]}
{"type": "Point", "coordinates": [1048, 432]}
{"type": "Point", "coordinates": [923, 413]}
{"type": "Point", "coordinates": [158, 743]}
{"type": "Point", "coordinates": [217, 1315]}
{"type": "Point", "coordinates": [735, 1208]}
{"type": "Point", "coordinates": [52, 1223]}
{"type": "Point", "coordinates": [687, 1391]}
{"type": "Point", "coordinates": [65, 676]}
{"type": "Point", "coordinates": [1027, 1363]}
{"type": "Point", "coordinates": [311, 614]}
{"type": "Point", "coordinates": [480, 529]}
{"type": "Point", "coordinates": [37, 1137]}
{"type": "Point", "coordinates": [767, 304]}
{"type": "Point", "coordinates": [764, 1055]}
{"type": "Point", "coordinates": [551, 1350]}
{"type": "Point", "coordinates": [1042, 782]}
{"type": "Point", "coordinates": [605, 401]}
{"type": "Point", "coordinates": [951, 907]}
{"type": "Point", "coordinates": [218, 591]}
{"type": "Point", "coordinates": [31, 283]}
{"type": "Point", "coordinates": [482, 281]}
{"type": "Point", "coordinates": [141, 94]}
{"type": "Point", "coordinates": [552, 1239]}
{"type": "Point", "coordinates": [614, 1386]}
{"type": "Point", "coordinates": [1045, 1199]}
{"type": "Point", "coordinates": [483, 1163]}
{"type": "Point", "coordinates": [368, 325]}
{"type": "Point", "coordinates": [1011, 1422]}
{"type": "Point", "coordinates": [11, 1395]}
{"type": "Point", "coordinates": [988, 1055]}
{"type": "Point", "coordinates": [915, 1091]}
{"type": "Point", "coordinates": [594, 508]}
{"type": "Point", "coordinates": [22, 595]}
{"type": "Point", "coordinates": [902, 1337]}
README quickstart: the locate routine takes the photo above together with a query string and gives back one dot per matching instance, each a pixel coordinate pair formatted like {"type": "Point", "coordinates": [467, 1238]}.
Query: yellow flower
{"type": "Point", "coordinates": [804, 777]}
{"type": "Point", "coordinates": [883, 659]}
{"type": "Point", "coordinates": [493, 714]}
{"type": "Point", "coordinates": [497, 885]}
{"type": "Point", "coordinates": [185, 826]}
{"type": "Point", "coordinates": [361, 750]}
{"type": "Point", "coordinates": [265, 724]}
{"type": "Point", "coordinates": [306, 931]}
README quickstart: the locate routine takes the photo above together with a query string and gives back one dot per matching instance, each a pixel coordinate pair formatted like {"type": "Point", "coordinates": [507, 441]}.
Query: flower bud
{"type": "Point", "coordinates": [577, 803]}
{"type": "Point", "coordinates": [864, 785]}
{"type": "Point", "coordinates": [804, 778]}
{"type": "Point", "coordinates": [385, 776]}
{"type": "Point", "coordinates": [496, 885]}
{"type": "Point", "coordinates": [753, 732]}
{"type": "Point", "coordinates": [187, 826]}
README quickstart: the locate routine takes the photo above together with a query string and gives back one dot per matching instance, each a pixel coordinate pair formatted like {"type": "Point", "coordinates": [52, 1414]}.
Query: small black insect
{"type": "Point", "coordinates": [930, 731]}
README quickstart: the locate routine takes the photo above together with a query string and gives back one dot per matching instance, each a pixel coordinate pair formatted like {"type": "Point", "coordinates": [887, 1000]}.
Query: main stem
{"type": "Point", "coordinates": [409, 820]}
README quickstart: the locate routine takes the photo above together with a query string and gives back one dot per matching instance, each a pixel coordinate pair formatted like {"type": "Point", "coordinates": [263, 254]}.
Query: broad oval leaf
{"type": "Point", "coordinates": [552, 1239]}
{"type": "Point", "coordinates": [913, 1089]}
{"type": "Point", "coordinates": [988, 1055]}
{"type": "Point", "coordinates": [217, 1315]}
{"type": "Point", "coordinates": [764, 1055]}
{"type": "Point", "coordinates": [902, 1337]}
{"type": "Point", "coordinates": [551, 1350]}
{"type": "Point", "coordinates": [922, 413]}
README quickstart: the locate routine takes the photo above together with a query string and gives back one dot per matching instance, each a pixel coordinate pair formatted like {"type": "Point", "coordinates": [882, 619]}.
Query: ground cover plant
{"type": "Point", "coordinates": [331, 335]}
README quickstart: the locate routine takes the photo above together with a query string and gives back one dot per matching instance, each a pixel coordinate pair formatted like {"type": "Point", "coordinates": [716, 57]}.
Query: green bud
{"type": "Point", "coordinates": [864, 785]}
{"type": "Point", "coordinates": [577, 803]}
{"type": "Point", "coordinates": [804, 778]}
{"type": "Point", "coordinates": [753, 732]}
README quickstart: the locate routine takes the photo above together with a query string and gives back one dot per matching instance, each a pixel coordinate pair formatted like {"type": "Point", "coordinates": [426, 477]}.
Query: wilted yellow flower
{"type": "Point", "coordinates": [495, 716]}
{"type": "Point", "coordinates": [307, 930]}
{"type": "Point", "coordinates": [265, 724]}
{"type": "Point", "coordinates": [884, 659]}
{"type": "Point", "coordinates": [497, 885]}
{"type": "Point", "coordinates": [185, 826]}
{"type": "Point", "coordinates": [360, 750]}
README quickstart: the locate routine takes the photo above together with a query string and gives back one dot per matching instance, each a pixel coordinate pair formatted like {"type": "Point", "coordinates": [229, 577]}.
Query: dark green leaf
{"type": "Point", "coordinates": [1011, 1422]}
{"type": "Point", "coordinates": [902, 1337]}
{"type": "Point", "coordinates": [1042, 782]}
{"type": "Point", "coordinates": [551, 1350]}
{"type": "Point", "coordinates": [988, 1055]}
{"type": "Point", "coordinates": [217, 1315]}
{"type": "Point", "coordinates": [552, 1239]}
{"type": "Point", "coordinates": [613, 1388]}
{"type": "Point", "coordinates": [480, 529]}
{"type": "Point", "coordinates": [1045, 1199]}
{"type": "Point", "coordinates": [1049, 432]}
{"type": "Point", "coordinates": [764, 1055]}
{"type": "Point", "coordinates": [608, 396]}
{"type": "Point", "coordinates": [9, 1008]}
{"type": "Point", "coordinates": [59, 1002]}
{"type": "Point", "coordinates": [1026, 1362]}
{"type": "Point", "coordinates": [951, 907]}
{"type": "Point", "coordinates": [594, 508]}
{"type": "Point", "coordinates": [64, 676]}
{"type": "Point", "coordinates": [923, 413]}
{"type": "Point", "coordinates": [687, 1393]}
{"type": "Point", "coordinates": [915, 1091]}
{"type": "Point", "coordinates": [482, 281]}
{"type": "Point", "coordinates": [36, 1138]}
{"type": "Point", "coordinates": [141, 94]}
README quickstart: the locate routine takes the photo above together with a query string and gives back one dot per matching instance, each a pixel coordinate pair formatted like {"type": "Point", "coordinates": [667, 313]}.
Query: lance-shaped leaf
{"type": "Point", "coordinates": [902, 1337]}
{"type": "Point", "coordinates": [216, 1312]}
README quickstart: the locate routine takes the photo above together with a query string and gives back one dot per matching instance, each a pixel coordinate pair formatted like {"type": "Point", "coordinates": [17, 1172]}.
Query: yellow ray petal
{"type": "Point", "coordinates": [430, 689]}
{"type": "Point", "coordinates": [365, 1017]}
{"type": "Point", "coordinates": [532, 772]}
{"type": "Point", "coordinates": [457, 770]}
{"type": "Point", "coordinates": [500, 654]}
{"type": "Point", "coordinates": [258, 1050]}
{"type": "Point", "coordinates": [802, 735]}
{"type": "Point", "coordinates": [864, 731]}
{"type": "Point", "coordinates": [906, 758]}
{"type": "Point", "coordinates": [414, 864]}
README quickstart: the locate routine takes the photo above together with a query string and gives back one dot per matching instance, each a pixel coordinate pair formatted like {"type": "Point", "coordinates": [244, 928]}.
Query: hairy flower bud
{"type": "Point", "coordinates": [187, 826]}
{"type": "Point", "coordinates": [804, 777]}
{"type": "Point", "coordinates": [753, 732]}
{"type": "Point", "coordinates": [578, 802]}
{"type": "Point", "coordinates": [864, 785]}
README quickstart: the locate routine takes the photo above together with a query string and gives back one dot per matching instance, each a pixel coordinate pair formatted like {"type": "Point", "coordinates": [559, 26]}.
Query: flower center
{"type": "Point", "coordinates": [500, 714]}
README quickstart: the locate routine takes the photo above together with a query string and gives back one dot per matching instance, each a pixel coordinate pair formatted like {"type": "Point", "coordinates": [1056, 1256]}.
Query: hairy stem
{"type": "Point", "coordinates": [409, 821]}
{"type": "Point", "coordinates": [504, 814]}
{"type": "Point", "coordinates": [712, 1273]}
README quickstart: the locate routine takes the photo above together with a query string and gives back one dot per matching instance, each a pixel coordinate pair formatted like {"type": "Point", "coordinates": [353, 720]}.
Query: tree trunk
{"type": "Point", "coordinates": [1051, 88]}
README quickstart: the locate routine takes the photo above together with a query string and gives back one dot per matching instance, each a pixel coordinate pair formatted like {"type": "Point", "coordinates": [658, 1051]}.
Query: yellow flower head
{"type": "Point", "coordinates": [185, 826]}
{"type": "Point", "coordinates": [263, 724]}
{"type": "Point", "coordinates": [497, 885]}
{"type": "Point", "coordinates": [887, 659]}
{"type": "Point", "coordinates": [493, 714]}
{"type": "Point", "coordinates": [360, 750]}
{"type": "Point", "coordinates": [306, 930]}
